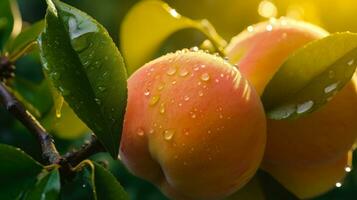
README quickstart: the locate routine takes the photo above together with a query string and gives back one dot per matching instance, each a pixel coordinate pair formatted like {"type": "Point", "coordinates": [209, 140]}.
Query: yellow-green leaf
{"type": "Point", "coordinates": [149, 23]}
{"type": "Point", "coordinates": [311, 76]}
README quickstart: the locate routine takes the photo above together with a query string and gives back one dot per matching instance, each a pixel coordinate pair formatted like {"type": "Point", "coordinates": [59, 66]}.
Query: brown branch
{"type": "Point", "coordinates": [92, 147]}
{"type": "Point", "coordinates": [49, 151]}
{"type": "Point", "coordinates": [12, 105]}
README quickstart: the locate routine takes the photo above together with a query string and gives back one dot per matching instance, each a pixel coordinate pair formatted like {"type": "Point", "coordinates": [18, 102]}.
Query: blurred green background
{"type": "Point", "coordinates": [228, 16]}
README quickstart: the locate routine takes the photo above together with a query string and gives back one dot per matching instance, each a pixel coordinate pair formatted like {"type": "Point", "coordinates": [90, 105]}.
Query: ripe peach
{"type": "Point", "coordinates": [307, 155]}
{"type": "Point", "coordinates": [193, 126]}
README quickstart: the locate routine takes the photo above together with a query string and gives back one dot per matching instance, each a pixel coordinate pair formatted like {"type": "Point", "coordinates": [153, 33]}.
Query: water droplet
{"type": "Point", "coordinates": [186, 98]}
{"type": "Point", "coordinates": [302, 108]}
{"type": "Point", "coordinates": [171, 71]}
{"type": "Point", "coordinates": [58, 113]}
{"type": "Point", "coordinates": [55, 76]}
{"type": "Point", "coordinates": [200, 93]}
{"type": "Point", "coordinates": [216, 80]}
{"type": "Point", "coordinates": [140, 132]}
{"type": "Point", "coordinates": [162, 108]}
{"type": "Point", "coordinates": [205, 77]}
{"type": "Point", "coordinates": [196, 68]}
{"type": "Point", "coordinates": [348, 169]}
{"type": "Point", "coordinates": [193, 115]}
{"type": "Point", "coordinates": [174, 13]}
{"type": "Point", "coordinates": [331, 87]}
{"type": "Point", "coordinates": [221, 75]}
{"type": "Point", "coordinates": [203, 66]}
{"type": "Point", "coordinates": [154, 100]}
{"type": "Point", "coordinates": [64, 91]}
{"type": "Point", "coordinates": [194, 49]}
{"type": "Point", "coordinates": [174, 82]}
{"type": "Point", "coordinates": [97, 101]}
{"type": "Point", "coordinates": [151, 131]}
{"type": "Point", "coordinates": [147, 93]}
{"type": "Point", "coordinates": [101, 89]}
{"type": "Point", "coordinates": [350, 63]}
{"type": "Point", "coordinates": [269, 27]}
{"type": "Point", "coordinates": [331, 74]}
{"type": "Point", "coordinates": [183, 72]}
{"type": "Point", "coordinates": [250, 29]}
{"type": "Point", "coordinates": [84, 185]}
{"type": "Point", "coordinates": [180, 104]}
{"type": "Point", "coordinates": [169, 134]}
{"type": "Point", "coordinates": [338, 184]}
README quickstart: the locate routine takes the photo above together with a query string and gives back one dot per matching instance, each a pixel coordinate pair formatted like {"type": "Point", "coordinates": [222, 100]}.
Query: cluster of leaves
{"type": "Point", "coordinates": [86, 71]}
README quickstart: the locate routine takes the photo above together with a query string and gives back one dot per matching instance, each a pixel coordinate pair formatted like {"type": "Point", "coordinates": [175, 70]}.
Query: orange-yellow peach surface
{"type": "Point", "coordinates": [193, 126]}
{"type": "Point", "coordinates": [307, 155]}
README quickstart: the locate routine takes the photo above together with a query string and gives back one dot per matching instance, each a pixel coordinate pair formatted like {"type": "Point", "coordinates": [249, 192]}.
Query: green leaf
{"type": "Point", "coordinates": [10, 21]}
{"type": "Point", "coordinates": [47, 187]}
{"type": "Point", "coordinates": [25, 40]}
{"type": "Point", "coordinates": [311, 76]}
{"type": "Point", "coordinates": [6, 21]}
{"type": "Point", "coordinates": [84, 64]}
{"type": "Point", "coordinates": [148, 24]}
{"type": "Point", "coordinates": [106, 185]}
{"type": "Point", "coordinates": [18, 171]}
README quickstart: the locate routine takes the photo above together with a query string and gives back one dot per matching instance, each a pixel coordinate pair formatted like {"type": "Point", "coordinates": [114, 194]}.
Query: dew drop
{"type": "Point", "coordinates": [147, 93]}
{"type": "Point", "coordinates": [64, 91]}
{"type": "Point", "coordinates": [151, 131]}
{"type": "Point", "coordinates": [331, 88]}
{"type": "Point", "coordinates": [171, 71]}
{"type": "Point", "coordinates": [205, 77]}
{"type": "Point", "coordinates": [338, 184]}
{"type": "Point", "coordinates": [194, 49]}
{"type": "Point", "coordinates": [140, 132]}
{"type": "Point", "coordinates": [269, 27]}
{"type": "Point", "coordinates": [174, 82]}
{"type": "Point", "coordinates": [154, 100]}
{"type": "Point", "coordinates": [203, 66]}
{"type": "Point", "coordinates": [162, 108]}
{"type": "Point", "coordinates": [169, 134]}
{"type": "Point", "coordinates": [250, 29]}
{"type": "Point", "coordinates": [200, 93]}
{"type": "Point", "coordinates": [216, 80]}
{"type": "Point", "coordinates": [196, 68]}
{"type": "Point", "coordinates": [348, 169]}
{"type": "Point", "coordinates": [161, 86]}
{"type": "Point", "coordinates": [331, 74]}
{"type": "Point", "coordinates": [101, 89]}
{"type": "Point", "coordinates": [183, 72]}
{"type": "Point", "coordinates": [193, 115]}
{"type": "Point", "coordinates": [97, 101]}
{"type": "Point", "coordinates": [186, 98]}
{"type": "Point", "coordinates": [302, 108]}
{"type": "Point", "coordinates": [350, 63]}
{"type": "Point", "coordinates": [56, 76]}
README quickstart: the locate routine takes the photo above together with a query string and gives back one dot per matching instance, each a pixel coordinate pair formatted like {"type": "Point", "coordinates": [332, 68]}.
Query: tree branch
{"type": "Point", "coordinates": [92, 147]}
{"type": "Point", "coordinates": [49, 151]}
{"type": "Point", "coordinates": [8, 100]}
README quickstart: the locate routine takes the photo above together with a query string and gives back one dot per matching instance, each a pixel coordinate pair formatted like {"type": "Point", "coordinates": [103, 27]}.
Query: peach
{"type": "Point", "coordinates": [307, 155]}
{"type": "Point", "coordinates": [193, 126]}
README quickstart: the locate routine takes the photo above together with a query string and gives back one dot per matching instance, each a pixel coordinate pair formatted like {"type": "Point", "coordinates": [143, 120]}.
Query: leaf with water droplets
{"type": "Point", "coordinates": [73, 49]}
{"type": "Point", "coordinates": [311, 76]}
{"type": "Point", "coordinates": [18, 172]}
{"type": "Point", "coordinates": [47, 187]}
{"type": "Point", "coordinates": [149, 23]}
